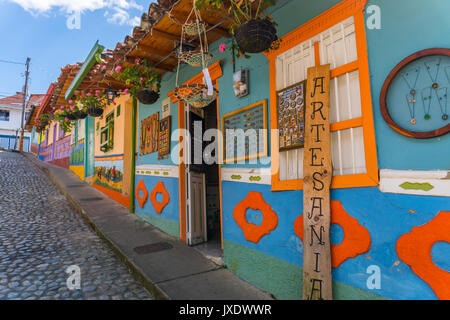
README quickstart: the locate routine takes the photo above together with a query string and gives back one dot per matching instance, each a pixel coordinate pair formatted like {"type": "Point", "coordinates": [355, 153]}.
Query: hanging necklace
{"type": "Point", "coordinates": [411, 102]}
{"type": "Point", "coordinates": [426, 99]}
{"type": "Point", "coordinates": [434, 85]}
{"type": "Point", "coordinates": [411, 97]}
{"type": "Point", "coordinates": [442, 99]}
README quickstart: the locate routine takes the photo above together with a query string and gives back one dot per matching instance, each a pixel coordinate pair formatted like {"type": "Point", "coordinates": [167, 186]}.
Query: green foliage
{"type": "Point", "coordinates": [241, 10]}
{"type": "Point", "coordinates": [85, 100]}
{"type": "Point", "coordinates": [139, 76]}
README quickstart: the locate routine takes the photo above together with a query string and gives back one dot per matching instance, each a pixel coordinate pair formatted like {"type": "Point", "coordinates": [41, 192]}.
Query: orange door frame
{"type": "Point", "coordinates": [215, 72]}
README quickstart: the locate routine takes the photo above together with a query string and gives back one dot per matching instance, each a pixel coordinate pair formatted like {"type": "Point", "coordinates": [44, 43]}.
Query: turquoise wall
{"type": "Point", "coordinates": [168, 219]}
{"type": "Point", "coordinates": [408, 26]}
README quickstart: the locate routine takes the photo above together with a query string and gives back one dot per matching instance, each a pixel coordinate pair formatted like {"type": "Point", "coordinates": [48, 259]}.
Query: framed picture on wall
{"type": "Point", "coordinates": [164, 138]}
{"type": "Point", "coordinates": [149, 134]}
{"type": "Point", "coordinates": [291, 116]}
{"type": "Point", "coordinates": [245, 133]}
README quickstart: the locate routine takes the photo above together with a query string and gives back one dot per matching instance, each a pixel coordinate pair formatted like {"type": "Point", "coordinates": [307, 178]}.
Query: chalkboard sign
{"type": "Point", "coordinates": [245, 133]}
{"type": "Point", "coordinates": [164, 138]}
{"type": "Point", "coordinates": [291, 116]}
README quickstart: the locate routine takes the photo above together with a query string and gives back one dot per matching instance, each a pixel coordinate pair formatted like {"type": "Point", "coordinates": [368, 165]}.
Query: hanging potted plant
{"type": "Point", "coordinates": [143, 82]}
{"type": "Point", "coordinates": [254, 31]}
{"type": "Point", "coordinates": [79, 111]}
{"type": "Point", "coordinates": [91, 104]}
{"type": "Point", "coordinates": [65, 117]}
{"type": "Point", "coordinates": [42, 121]}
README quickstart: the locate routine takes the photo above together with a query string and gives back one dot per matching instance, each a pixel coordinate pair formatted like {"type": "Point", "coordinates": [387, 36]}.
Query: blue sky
{"type": "Point", "coordinates": [38, 29]}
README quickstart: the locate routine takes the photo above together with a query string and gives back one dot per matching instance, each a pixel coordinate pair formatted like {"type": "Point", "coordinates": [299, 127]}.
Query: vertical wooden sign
{"type": "Point", "coordinates": [317, 168]}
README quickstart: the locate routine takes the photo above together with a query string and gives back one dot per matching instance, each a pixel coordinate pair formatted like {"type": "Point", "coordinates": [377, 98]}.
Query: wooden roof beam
{"type": "Point", "coordinates": [162, 66]}
{"type": "Point", "coordinates": [153, 51]}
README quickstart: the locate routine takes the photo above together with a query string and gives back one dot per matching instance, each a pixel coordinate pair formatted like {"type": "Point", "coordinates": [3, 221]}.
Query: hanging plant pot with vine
{"type": "Point", "coordinates": [71, 116]}
{"type": "Point", "coordinates": [256, 36]}
{"type": "Point", "coordinates": [80, 114]}
{"type": "Point", "coordinates": [95, 111]}
{"type": "Point", "coordinates": [147, 96]}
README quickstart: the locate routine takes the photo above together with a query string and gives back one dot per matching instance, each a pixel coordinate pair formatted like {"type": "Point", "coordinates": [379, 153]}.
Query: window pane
{"type": "Point", "coordinates": [345, 97]}
{"type": "Point", "coordinates": [348, 152]}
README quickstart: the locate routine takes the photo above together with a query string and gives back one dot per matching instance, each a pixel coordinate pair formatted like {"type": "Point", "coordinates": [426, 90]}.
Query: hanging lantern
{"type": "Point", "coordinates": [111, 95]}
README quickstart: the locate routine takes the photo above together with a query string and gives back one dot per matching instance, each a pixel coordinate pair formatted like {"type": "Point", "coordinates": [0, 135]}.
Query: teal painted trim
{"type": "Point", "coordinates": [168, 226]}
{"type": "Point", "coordinates": [278, 277]}
{"type": "Point", "coordinates": [84, 70]}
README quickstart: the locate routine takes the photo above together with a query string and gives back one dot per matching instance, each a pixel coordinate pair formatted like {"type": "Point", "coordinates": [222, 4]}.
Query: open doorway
{"type": "Point", "coordinates": [203, 226]}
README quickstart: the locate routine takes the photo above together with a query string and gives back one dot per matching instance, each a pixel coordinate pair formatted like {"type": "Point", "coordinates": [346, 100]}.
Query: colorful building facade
{"type": "Point", "coordinates": [390, 200]}
{"type": "Point", "coordinates": [255, 207]}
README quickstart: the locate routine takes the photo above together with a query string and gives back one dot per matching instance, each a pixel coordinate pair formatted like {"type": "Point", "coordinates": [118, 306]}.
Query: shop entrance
{"type": "Point", "coordinates": [203, 229]}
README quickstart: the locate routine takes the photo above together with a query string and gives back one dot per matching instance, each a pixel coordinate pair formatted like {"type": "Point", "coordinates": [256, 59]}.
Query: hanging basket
{"type": "Point", "coordinates": [80, 114]}
{"type": "Point", "coordinates": [192, 28]}
{"type": "Point", "coordinates": [194, 58]}
{"type": "Point", "coordinates": [184, 48]}
{"type": "Point", "coordinates": [147, 96]}
{"type": "Point", "coordinates": [95, 111]}
{"type": "Point", "coordinates": [256, 36]}
{"type": "Point", "coordinates": [195, 94]}
{"type": "Point", "coordinates": [71, 116]}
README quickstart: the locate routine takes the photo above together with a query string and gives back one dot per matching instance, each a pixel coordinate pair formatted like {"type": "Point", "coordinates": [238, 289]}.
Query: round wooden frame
{"type": "Point", "coordinates": [384, 92]}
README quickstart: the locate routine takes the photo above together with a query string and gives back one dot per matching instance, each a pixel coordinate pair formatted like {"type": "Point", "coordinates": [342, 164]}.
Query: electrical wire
{"type": "Point", "coordinates": [12, 62]}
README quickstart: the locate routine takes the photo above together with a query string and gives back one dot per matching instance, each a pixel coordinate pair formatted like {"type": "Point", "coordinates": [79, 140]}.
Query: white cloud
{"type": "Point", "coordinates": [122, 17]}
{"type": "Point", "coordinates": [120, 8]}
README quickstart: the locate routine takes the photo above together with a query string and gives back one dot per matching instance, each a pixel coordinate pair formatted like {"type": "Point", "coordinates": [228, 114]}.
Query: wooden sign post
{"type": "Point", "coordinates": [317, 168]}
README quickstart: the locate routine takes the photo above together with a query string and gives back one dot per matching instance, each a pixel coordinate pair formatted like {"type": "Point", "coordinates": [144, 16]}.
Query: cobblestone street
{"type": "Point", "coordinates": [41, 235]}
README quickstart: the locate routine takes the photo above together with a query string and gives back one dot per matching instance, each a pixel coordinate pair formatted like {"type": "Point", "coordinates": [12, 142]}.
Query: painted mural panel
{"type": "Point", "coordinates": [109, 175]}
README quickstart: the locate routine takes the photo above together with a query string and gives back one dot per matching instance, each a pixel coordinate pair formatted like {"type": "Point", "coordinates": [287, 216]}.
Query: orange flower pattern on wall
{"type": "Point", "coordinates": [255, 201]}
{"type": "Point", "coordinates": [356, 237]}
{"type": "Point", "coordinates": [159, 188]}
{"type": "Point", "coordinates": [141, 187]}
{"type": "Point", "coordinates": [414, 249]}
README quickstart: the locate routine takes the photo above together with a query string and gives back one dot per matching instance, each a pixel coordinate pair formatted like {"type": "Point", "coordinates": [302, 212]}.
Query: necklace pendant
{"type": "Point", "coordinates": [444, 116]}
{"type": "Point", "coordinates": [435, 85]}
{"type": "Point", "coordinates": [427, 117]}
{"type": "Point", "coordinates": [413, 92]}
{"type": "Point", "coordinates": [413, 121]}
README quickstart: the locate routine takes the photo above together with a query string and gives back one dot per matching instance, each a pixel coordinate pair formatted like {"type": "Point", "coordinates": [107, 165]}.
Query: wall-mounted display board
{"type": "Point", "coordinates": [245, 133]}
{"type": "Point", "coordinates": [164, 138]}
{"type": "Point", "coordinates": [414, 98]}
{"type": "Point", "coordinates": [291, 116]}
{"type": "Point", "coordinates": [149, 134]}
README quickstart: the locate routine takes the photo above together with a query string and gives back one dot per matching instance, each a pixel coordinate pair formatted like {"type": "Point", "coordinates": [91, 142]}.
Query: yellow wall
{"type": "Point", "coordinates": [119, 127]}
{"type": "Point", "coordinates": [78, 170]}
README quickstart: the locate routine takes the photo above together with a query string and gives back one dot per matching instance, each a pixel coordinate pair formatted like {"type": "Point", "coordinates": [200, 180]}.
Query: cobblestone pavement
{"type": "Point", "coordinates": [41, 235]}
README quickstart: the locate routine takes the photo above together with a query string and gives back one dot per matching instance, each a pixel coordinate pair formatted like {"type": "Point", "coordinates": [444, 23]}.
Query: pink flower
{"type": "Point", "coordinates": [142, 79]}
{"type": "Point", "coordinates": [118, 68]}
{"type": "Point", "coordinates": [111, 73]}
{"type": "Point", "coordinates": [61, 108]}
{"type": "Point", "coordinates": [104, 67]}
{"type": "Point", "coordinates": [89, 94]}
{"type": "Point", "coordinates": [72, 107]}
{"type": "Point", "coordinates": [67, 119]}
{"type": "Point", "coordinates": [70, 101]}
{"type": "Point", "coordinates": [222, 47]}
{"type": "Point", "coordinates": [125, 91]}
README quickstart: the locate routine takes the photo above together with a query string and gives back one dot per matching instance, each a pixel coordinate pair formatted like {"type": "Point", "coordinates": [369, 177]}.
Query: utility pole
{"type": "Point", "coordinates": [25, 91]}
